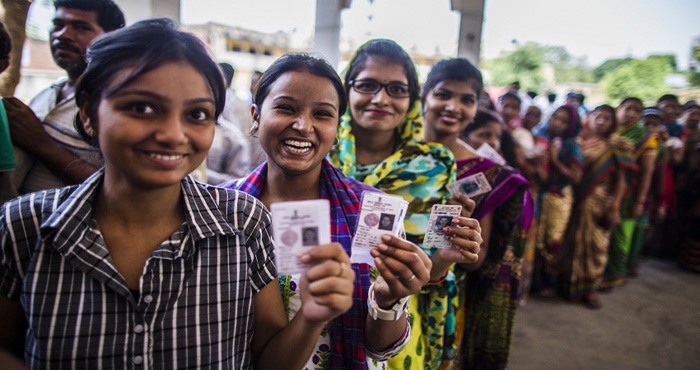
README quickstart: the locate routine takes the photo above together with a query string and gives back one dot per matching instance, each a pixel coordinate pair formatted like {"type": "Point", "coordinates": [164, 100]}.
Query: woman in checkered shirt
{"type": "Point", "coordinates": [140, 265]}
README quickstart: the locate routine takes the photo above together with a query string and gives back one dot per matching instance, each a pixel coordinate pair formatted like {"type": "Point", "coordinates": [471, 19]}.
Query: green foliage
{"type": "Point", "coordinates": [527, 65]}
{"type": "Point", "coordinates": [645, 79]}
{"type": "Point", "coordinates": [609, 66]}
{"type": "Point", "coordinates": [693, 78]}
{"type": "Point", "coordinates": [668, 59]}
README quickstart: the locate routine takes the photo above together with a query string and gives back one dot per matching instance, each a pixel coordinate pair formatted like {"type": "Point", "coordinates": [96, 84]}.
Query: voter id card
{"type": "Point", "coordinates": [296, 228]}
{"type": "Point", "coordinates": [380, 214]}
{"type": "Point", "coordinates": [440, 217]}
{"type": "Point", "coordinates": [470, 186]}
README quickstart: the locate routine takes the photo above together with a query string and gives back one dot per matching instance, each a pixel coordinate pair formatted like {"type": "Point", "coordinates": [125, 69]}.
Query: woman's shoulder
{"type": "Point", "coordinates": [37, 205]}
{"type": "Point", "coordinates": [236, 205]}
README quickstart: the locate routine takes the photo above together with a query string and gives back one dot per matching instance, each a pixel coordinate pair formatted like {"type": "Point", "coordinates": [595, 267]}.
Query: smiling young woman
{"type": "Point", "coordinates": [381, 144]}
{"type": "Point", "coordinates": [297, 106]}
{"type": "Point", "coordinates": [450, 100]}
{"type": "Point", "coordinates": [141, 264]}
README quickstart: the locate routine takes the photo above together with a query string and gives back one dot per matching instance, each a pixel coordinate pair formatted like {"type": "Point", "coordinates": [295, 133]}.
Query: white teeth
{"type": "Point", "coordinates": [298, 146]}
{"type": "Point", "coordinates": [166, 157]}
{"type": "Point", "coordinates": [450, 119]}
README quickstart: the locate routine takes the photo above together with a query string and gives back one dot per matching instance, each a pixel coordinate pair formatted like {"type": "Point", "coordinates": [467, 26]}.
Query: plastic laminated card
{"type": "Point", "coordinates": [296, 228]}
{"type": "Point", "coordinates": [380, 214]}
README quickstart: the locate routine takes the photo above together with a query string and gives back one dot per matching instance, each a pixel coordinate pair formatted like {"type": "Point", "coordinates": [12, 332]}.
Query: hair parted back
{"type": "Point", "coordinates": [387, 50]}
{"type": "Point", "coordinates": [298, 62]}
{"type": "Point", "coordinates": [455, 69]}
{"type": "Point", "coordinates": [138, 49]}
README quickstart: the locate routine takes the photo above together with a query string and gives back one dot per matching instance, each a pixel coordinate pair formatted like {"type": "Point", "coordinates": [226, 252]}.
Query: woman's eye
{"type": "Point", "coordinates": [286, 108]}
{"type": "Point", "coordinates": [324, 113]}
{"type": "Point", "coordinates": [142, 108]}
{"type": "Point", "coordinates": [442, 95]}
{"type": "Point", "coordinates": [398, 89]}
{"type": "Point", "coordinates": [199, 115]}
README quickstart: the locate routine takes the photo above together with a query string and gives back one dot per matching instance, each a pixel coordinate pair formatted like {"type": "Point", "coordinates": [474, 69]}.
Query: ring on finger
{"type": "Point", "coordinates": [406, 281]}
{"type": "Point", "coordinates": [342, 269]}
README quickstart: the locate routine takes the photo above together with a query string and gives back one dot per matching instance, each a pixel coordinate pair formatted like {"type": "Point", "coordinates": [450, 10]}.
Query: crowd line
{"type": "Point", "coordinates": [116, 252]}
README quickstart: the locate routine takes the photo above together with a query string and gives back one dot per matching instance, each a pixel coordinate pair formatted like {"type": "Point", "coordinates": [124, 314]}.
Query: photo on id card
{"type": "Point", "coordinates": [470, 186]}
{"type": "Point", "coordinates": [380, 214]}
{"type": "Point", "coordinates": [297, 227]}
{"type": "Point", "coordinates": [440, 217]}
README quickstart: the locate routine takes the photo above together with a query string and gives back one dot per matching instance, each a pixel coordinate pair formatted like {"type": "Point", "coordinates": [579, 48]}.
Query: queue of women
{"type": "Point", "coordinates": [143, 266]}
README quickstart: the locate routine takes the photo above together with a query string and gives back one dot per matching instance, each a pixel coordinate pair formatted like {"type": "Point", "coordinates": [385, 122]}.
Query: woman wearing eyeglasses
{"type": "Point", "coordinates": [380, 143]}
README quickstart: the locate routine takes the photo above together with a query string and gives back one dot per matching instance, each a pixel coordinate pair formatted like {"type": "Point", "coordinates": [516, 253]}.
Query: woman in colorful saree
{"type": "Point", "coordinates": [381, 144]}
{"type": "Point", "coordinates": [488, 288]}
{"type": "Point", "coordinates": [628, 236]}
{"type": "Point", "coordinates": [556, 198]}
{"type": "Point", "coordinates": [297, 106]}
{"type": "Point", "coordinates": [607, 162]}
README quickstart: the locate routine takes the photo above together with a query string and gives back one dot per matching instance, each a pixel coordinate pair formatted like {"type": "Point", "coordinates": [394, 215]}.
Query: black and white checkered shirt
{"type": "Point", "coordinates": [195, 307]}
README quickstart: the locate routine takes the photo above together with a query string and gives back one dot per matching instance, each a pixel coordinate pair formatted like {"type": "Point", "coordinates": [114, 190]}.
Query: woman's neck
{"type": "Point", "coordinates": [138, 208]}
{"type": "Point", "coordinates": [372, 147]}
{"type": "Point", "coordinates": [281, 187]}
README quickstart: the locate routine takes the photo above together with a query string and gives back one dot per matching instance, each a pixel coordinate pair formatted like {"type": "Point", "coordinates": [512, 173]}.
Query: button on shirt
{"type": "Point", "coordinates": [195, 308]}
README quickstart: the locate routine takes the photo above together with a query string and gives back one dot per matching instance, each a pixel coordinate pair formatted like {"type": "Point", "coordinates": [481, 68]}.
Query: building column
{"type": "Point", "coordinates": [136, 10]}
{"type": "Point", "coordinates": [470, 26]}
{"type": "Point", "coordinates": [327, 29]}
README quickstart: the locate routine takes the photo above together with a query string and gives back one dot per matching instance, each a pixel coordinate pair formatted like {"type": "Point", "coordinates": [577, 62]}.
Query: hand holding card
{"type": "Point", "coordinates": [326, 288]}
{"type": "Point", "coordinates": [440, 219]}
{"type": "Point", "coordinates": [403, 270]}
{"type": "Point", "coordinates": [465, 236]}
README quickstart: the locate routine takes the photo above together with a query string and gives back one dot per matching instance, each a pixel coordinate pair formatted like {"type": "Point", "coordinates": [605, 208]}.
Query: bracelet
{"type": "Point", "coordinates": [440, 280]}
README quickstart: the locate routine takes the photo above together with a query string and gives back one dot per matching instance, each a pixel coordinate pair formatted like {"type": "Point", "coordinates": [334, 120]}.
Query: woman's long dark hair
{"type": "Point", "coordinates": [138, 49]}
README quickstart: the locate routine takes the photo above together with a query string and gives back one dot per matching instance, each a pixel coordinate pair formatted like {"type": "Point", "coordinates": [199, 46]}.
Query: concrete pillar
{"type": "Point", "coordinates": [470, 26]}
{"type": "Point", "coordinates": [136, 10]}
{"type": "Point", "coordinates": [327, 29]}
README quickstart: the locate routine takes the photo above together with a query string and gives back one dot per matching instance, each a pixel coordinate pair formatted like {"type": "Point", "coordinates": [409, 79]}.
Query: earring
{"type": "Point", "coordinates": [91, 132]}
{"type": "Point", "coordinates": [253, 128]}
{"type": "Point", "coordinates": [335, 141]}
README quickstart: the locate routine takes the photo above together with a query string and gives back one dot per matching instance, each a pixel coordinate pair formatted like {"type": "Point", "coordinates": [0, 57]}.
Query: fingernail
{"type": "Point", "coordinates": [305, 257]}
{"type": "Point", "coordinates": [382, 247]}
{"type": "Point", "coordinates": [449, 237]}
{"type": "Point", "coordinates": [386, 237]}
{"type": "Point", "coordinates": [378, 261]}
{"type": "Point", "coordinates": [448, 229]}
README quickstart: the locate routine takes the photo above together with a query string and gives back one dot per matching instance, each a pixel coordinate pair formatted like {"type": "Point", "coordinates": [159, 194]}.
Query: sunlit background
{"type": "Point", "coordinates": [602, 48]}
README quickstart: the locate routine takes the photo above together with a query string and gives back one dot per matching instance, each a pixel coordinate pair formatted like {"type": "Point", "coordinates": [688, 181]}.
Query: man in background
{"type": "Point", "coordinates": [49, 151]}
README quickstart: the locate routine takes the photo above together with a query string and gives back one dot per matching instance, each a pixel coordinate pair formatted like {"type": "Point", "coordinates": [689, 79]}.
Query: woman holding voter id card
{"type": "Point", "coordinates": [141, 265]}
{"type": "Point", "coordinates": [488, 288]}
{"type": "Point", "coordinates": [381, 144]}
{"type": "Point", "coordinates": [297, 107]}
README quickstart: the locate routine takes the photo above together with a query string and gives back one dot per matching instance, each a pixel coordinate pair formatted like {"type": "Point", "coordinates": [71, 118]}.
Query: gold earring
{"type": "Point", "coordinates": [253, 128]}
{"type": "Point", "coordinates": [91, 132]}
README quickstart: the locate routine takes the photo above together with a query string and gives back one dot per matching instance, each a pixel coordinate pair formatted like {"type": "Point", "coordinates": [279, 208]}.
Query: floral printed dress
{"type": "Point", "coordinates": [320, 357]}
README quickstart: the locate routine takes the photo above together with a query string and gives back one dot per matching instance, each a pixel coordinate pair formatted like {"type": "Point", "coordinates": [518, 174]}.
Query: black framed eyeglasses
{"type": "Point", "coordinates": [371, 87]}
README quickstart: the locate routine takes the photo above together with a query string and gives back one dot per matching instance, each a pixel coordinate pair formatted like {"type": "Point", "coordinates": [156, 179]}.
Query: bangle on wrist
{"type": "Point", "coordinates": [440, 280]}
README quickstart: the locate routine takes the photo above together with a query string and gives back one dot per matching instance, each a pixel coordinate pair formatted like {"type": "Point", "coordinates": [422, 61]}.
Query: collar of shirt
{"type": "Point", "coordinates": [66, 228]}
